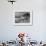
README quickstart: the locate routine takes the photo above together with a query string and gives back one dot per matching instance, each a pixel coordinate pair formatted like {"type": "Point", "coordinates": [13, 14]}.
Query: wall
{"type": "Point", "coordinates": [9, 31]}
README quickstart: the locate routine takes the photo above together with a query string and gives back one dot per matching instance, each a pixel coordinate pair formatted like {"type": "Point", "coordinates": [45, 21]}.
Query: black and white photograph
{"type": "Point", "coordinates": [23, 18]}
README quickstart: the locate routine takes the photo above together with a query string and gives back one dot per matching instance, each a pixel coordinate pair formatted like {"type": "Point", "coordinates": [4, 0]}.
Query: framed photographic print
{"type": "Point", "coordinates": [23, 18]}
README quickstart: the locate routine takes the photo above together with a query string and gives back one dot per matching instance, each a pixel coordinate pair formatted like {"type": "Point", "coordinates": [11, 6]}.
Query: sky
{"type": "Point", "coordinates": [8, 30]}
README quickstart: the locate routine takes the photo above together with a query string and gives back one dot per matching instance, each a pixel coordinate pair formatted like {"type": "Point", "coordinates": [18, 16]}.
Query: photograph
{"type": "Point", "coordinates": [23, 18]}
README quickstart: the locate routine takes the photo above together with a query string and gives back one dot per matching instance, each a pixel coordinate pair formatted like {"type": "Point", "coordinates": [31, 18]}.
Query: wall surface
{"type": "Point", "coordinates": [9, 31]}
